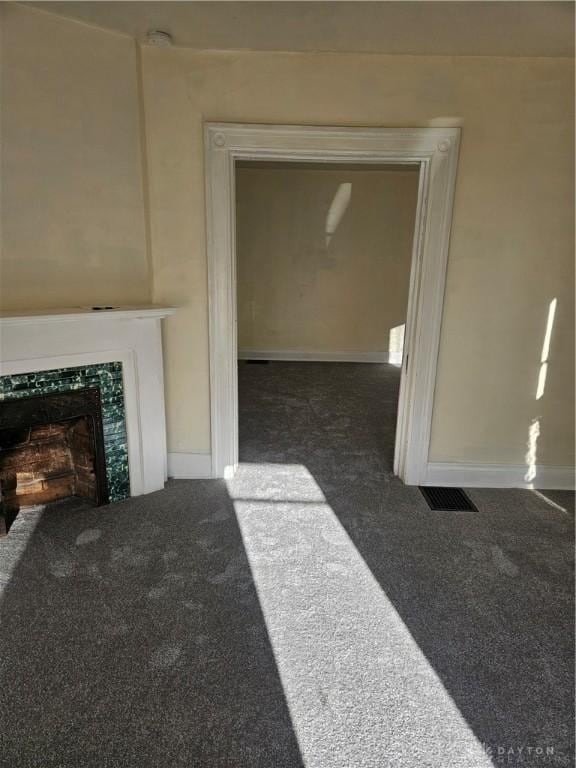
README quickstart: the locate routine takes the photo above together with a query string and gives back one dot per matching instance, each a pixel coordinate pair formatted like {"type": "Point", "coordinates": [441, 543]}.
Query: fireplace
{"type": "Point", "coordinates": [51, 447]}
{"type": "Point", "coordinates": [117, 351]}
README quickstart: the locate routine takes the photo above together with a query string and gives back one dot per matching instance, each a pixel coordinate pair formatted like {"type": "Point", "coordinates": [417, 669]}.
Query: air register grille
{"type": "Point", "coordinates": [447, 499]}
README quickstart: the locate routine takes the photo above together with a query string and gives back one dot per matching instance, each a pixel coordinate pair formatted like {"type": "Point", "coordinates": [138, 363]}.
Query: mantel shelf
{"type": "Point", "coordinates": [69, 314]}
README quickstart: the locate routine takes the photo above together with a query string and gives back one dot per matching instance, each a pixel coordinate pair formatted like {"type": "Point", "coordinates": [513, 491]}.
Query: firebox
{"type": "Point", "coordinates": [51, 447]}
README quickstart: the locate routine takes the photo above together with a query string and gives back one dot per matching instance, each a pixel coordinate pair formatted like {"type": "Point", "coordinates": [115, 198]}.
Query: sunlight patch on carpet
{"type": "Point", "coordinates": [359, 689]}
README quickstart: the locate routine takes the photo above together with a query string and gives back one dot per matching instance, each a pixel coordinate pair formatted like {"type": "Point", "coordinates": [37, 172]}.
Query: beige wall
{"type": "Point", "coordinates": [511, 246]}
{"type": "Point", "coordinates": [323, 257]}
{"type": "Point", "coordinates": [73, 226]}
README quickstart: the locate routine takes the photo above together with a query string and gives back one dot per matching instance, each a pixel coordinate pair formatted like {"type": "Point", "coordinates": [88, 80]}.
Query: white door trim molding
{"type": "Point", "coordinates": [435, 150]}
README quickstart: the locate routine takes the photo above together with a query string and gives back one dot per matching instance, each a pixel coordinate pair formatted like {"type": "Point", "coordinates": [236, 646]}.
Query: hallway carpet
{"type": "Point", "coordinates": [310, 612]}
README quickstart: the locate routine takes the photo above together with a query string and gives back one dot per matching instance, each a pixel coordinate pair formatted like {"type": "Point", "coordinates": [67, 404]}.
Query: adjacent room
{"type": "Point", "coordinates": [324, 255]}
{"type": "Point", "coordinates": [287, 384]}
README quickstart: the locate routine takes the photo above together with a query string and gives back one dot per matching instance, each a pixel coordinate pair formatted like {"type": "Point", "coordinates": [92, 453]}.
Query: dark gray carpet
{"type": "Point", "coordinates": [311, 612]}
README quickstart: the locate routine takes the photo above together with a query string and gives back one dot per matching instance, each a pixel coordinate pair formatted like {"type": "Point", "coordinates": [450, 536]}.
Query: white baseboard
{"type": "Point", "coordinates": [198, 466]}
{"type": "Point", "coordinates": [189, 466]}
{"type": "Point", "coordinates": [296, 355]}
{"type": "Point", "coordinates": [466, 475]}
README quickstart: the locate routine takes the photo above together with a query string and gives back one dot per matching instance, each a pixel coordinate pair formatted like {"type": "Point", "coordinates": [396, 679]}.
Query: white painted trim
{"type": "Point", "coordinates": [435, 150]}
{"type": "Point", "coordinates": [466, 475]}
{"type": "Point", "coordinates": [70, 314]}
{"type": "Point", "coordinates": [189, 466]}
{"type": "Point", "coordinates": [300, 355]}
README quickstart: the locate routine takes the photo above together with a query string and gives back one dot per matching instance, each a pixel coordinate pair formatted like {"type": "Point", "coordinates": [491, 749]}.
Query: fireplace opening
{"type": "Point", "coordinates": [51, 448]}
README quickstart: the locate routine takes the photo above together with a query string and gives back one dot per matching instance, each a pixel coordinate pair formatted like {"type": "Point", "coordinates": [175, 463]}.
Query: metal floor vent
{"type": "Point", "coordinates": [257, 362]}
{"type": "Point", "coordinates": [447, 499]}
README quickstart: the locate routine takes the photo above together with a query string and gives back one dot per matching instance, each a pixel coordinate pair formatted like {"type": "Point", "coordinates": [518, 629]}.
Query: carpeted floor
{"type": "Point", "coordinates": [311, 612]}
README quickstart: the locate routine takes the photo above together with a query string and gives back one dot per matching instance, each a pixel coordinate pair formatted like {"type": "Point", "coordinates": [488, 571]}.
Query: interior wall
{"type": "Point", "coordinates": [74, 229]}
{"type": "Point", "coordinates": [512, 235]}
{"type": "Point", "coordinates": [73, 220]}
{"type": "Point", "coordinates": [323, 257]}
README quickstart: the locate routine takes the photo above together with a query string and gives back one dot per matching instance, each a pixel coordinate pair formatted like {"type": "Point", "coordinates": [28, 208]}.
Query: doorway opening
{"type": "Point", "coordinates": [323, 261]}
{"type": "Point", "coordinates": [435, 152]}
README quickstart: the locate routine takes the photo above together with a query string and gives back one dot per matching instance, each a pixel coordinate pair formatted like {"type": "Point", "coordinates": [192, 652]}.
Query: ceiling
{"type": "Point", "coordinates": [455, 28]}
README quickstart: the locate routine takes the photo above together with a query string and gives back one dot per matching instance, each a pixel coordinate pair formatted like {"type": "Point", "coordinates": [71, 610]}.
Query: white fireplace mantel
{"type": "Point", "coordinates": [65, 338]}
{"type": "Point", "coordinates": [75, 314]}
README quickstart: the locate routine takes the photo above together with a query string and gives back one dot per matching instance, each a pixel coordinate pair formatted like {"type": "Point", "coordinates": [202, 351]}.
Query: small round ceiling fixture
{"type": "Point", "coordinates": [159, 38]}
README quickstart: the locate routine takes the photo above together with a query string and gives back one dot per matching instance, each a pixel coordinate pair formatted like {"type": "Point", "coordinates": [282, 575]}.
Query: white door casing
{"type": "Point", "coordinates": [435, 150]}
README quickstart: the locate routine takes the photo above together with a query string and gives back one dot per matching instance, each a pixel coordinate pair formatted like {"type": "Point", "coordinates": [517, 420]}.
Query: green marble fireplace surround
{"type": "Point", "coordinates": [107, 377]}
{"type": "Point", "coordinates": [117, 350]}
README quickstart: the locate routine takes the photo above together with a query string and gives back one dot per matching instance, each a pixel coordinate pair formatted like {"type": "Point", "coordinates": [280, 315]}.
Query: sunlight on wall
{"type": "Point", "coordinates": [531, 457]}
{"type": "Point", "coordinates": [359, 689]}
{"type": "Point", "coordinates": [546, 350]}
{"type": "Point", "coordinates": [532, 453]}
{"type": "Point", "coordinates": [337, 210]}
{"type": "Point", "coordinates": [396, 345]}
{"type": "Point", "coordinates": [541, 380]}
